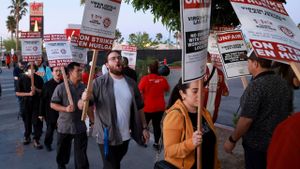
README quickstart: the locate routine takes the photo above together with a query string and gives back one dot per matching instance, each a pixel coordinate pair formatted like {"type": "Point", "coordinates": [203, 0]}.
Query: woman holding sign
{"type": "Point", "coordinates": [180, 134]}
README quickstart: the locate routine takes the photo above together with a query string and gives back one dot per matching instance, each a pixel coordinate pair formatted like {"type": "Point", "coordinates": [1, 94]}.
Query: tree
{"type": "Point", "coordinates": [118, 36]}
{"type": "Point", "coordinates": [11, 25]}
{"type": "Point", "coordinates": [18, 9]}
{"type": "Point", "coordinates": [168, 11]}
{"type": "Point", "coordinates": [158, 37]}
{"type": "Point", "coordinates": [9, 44]}
{"type": "Point", "coordinates": [141, 40]}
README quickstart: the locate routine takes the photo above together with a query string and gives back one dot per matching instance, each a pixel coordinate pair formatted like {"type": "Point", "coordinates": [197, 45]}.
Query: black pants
{"type": "Point", "coordinates": [156, 119]}
{"type": "Point", "coordinates": [254, 159]}
{"type": "Point", "coordinates": [64, 142]}
{"type": "Point", "coordinates": [51, 126]}
{"type": "Point", "coordinates": [30, 120]}
{"type": "Point", "coordinates": [115, 155]}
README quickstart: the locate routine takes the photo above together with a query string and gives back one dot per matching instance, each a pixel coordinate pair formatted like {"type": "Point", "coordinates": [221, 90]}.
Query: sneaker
{"type": "Point", "coordinates": [156, 146]}
{"type": "Point", "coordinates": [37, 145]}
{"type": "Point", "coordinates": [26, 141]}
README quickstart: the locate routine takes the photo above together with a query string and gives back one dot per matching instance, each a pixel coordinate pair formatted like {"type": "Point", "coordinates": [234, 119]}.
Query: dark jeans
{"type": "Point", "coordinates": [254, 159]}
{"type": "Point", "coordinates": [156, 119]}
{"type": "Point", "coordinates": [49, 133]}
{"type": "Point", "coordinates": [64, 142]}
{"type": "Point", "coordinates": [115, 155]}
{"type": "Point", "coordinates": [29, 122]}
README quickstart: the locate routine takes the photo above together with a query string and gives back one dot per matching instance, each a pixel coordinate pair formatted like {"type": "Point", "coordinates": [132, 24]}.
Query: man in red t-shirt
{"type": "Point", "coordinates": [153, 87]}
{"type": "Point", "coordinates": [284, 150]}
{"type": "Point", "coordinates": [214, 89]}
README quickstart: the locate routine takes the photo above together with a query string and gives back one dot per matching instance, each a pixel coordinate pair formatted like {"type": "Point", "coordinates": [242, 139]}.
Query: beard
{"type": "Point", "coordinates": [116, 72]}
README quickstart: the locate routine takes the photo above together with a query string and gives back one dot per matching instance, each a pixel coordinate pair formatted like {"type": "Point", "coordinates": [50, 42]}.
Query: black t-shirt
{"type": "Point", "coordinates": [17, 73]}
{"type": "Point", "coordinates": [24, 85]}
{"type": "Point", "coordinates": [130, 73]}
{"type": "Point", "coordinates": [208, 144]}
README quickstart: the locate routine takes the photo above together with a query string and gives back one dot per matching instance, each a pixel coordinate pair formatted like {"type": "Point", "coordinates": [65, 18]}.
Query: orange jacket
{"type": "Point", "coordinates": [177, 137]}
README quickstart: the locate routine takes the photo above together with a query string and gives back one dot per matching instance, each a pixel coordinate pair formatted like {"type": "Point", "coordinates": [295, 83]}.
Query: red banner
{"type": "Point", "coordinates": [227, 37]}
{"type": "Point", "coordinates": [275, 51]}
{"type": "Point", "coordinates": [95, 42]}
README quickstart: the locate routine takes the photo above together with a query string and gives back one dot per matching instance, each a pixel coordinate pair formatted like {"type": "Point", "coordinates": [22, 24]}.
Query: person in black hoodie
{"type": "Point", "coordinates": [46, 112]}
{"type": "Point", "coordinates": [30, 99]}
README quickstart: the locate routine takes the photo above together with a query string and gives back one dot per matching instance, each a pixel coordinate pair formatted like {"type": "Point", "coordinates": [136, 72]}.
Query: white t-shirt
{"type": "Point", "coordinates": [123, 99]}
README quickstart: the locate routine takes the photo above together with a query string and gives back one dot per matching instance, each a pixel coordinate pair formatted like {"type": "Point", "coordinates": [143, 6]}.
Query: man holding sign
{"type": "Point", "coordinates": [266, 102]}
{"type": "Point", "coordinates": [69, 124]}
{"type": "Point", "coordinates": [119, 112]}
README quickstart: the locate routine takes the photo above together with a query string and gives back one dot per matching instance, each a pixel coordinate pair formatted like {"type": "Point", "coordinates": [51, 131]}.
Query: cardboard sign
{"type": "Point", "coordinates": [271, 31]}
{"type": "Point", "coordinates": [130, 52]}
{"type": "Point", "coordinates": [79, 54]}
{"type": "Point", "coordinates": [195, 21]}
{"type": "Point", "coordinates": [31, 43]}
{"type": "Point", "coordinates": [58, 50]}
{"type": "Point", "coordinates": [231, 45]}
{"type": "Point", "coordinates": [99, 24]}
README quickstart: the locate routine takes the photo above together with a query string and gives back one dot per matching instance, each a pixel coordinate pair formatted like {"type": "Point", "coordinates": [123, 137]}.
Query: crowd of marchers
{"type": "Point", "coordinates": [121, 109]}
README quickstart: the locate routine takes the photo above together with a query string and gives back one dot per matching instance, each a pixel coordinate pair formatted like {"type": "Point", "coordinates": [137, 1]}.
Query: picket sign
{"type": "Point", "coordinates": [296, 68]}
{"type": "Point", "coordinates": [59, 55]}
{"type": "Point", "coordinates": [98, 33]}
{"type": "Point", "coordinates": [195, 22]}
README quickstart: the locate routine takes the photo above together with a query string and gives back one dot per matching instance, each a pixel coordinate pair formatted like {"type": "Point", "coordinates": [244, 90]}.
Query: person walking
{"type": "Point", "coordinates": [50, 115]}
{"type": "Point", "coordinates": [180, 135]}
{"type": "Point", "coordinates": [153, 87]}
{"type": "Point", "coordinates": [265, 103]}
{"type": "Point", "coordinates": [69, 124]}
{"type": "Point", "coordinates": [43, 70]}
{"type": "Point", "coordinates": [8, 60]}
{"type": "Point", "coordinates": [119, 112]}
{"type": "Point", "coordinates": [30, 99]}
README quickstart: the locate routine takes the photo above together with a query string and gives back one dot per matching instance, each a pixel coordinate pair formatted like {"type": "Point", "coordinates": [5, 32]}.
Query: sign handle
{"type": "Point", "coordinates": [70, 99]}
{"type": "Point", "coordinates": [296, 68]}
{"type": "Point", "coordinates": [199, 122]}
{"type": "Point", "coordinates": [244, 81]}
{"type": "Point", "coordinates": [32, 75]}
{"type": "Point", "coordinates": [90, 85]}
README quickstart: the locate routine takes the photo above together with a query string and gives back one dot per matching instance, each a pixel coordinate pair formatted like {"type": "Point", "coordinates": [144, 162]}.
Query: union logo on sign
{"type": "Point", "coordinates": [286, 31]}
{"type": "Point", "coordinates": [106, 22]}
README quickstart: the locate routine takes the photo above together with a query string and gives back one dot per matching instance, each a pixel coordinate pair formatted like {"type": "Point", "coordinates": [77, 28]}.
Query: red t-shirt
{"type": "Point", "coordinates": [284, 149]}
{"type": "Point", "coordinates": [153, 88]}
{"type": "Point", "coordinates": [85, 78]}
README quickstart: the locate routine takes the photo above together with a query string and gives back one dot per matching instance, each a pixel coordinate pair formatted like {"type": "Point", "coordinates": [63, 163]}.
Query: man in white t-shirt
{"type": "Point", "coordinates": [119, 112]}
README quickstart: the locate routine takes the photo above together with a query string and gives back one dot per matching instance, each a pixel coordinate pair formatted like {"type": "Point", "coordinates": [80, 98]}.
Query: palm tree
{"type": "Point", "coordinates": [18, 9]}
{"type": "Point", "coordinates": [11, 25]}
{"type": "Point", "coordinates": [82, 2]}
{"type": "Point", "coordinates": [158, 37]}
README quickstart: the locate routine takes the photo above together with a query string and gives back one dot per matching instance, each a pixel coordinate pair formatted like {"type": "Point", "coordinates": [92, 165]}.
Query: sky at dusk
{"type": "Point", "coordinates": [59, 13]}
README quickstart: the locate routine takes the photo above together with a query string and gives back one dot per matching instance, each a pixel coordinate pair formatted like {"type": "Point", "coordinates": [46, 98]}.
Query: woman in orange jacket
{"type": "Point", "coordinates": [180, 135]}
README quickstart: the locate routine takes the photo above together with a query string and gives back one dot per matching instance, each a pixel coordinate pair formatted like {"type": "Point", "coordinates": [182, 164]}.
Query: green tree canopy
{"type": "Point", "coordinates": [141, 40]}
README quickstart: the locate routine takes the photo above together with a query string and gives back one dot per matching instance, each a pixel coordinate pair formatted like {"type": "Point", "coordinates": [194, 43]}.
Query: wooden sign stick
{"type": "Point", "coordinates": [70, 99]}
{"type": "Point", "coordinates": [32, 75]}
{"type": "Point", "coordinates": [199, 123]}
{"type": "Point", "coordinates": [296, 68]}
{"type": "Point", "coordinates": [244, 81]}
{"type": "Point", "coordinates": [90, 85]}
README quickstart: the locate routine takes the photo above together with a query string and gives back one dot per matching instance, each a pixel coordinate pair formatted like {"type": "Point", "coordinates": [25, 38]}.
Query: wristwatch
{"type": "Point", "coordinates": [231, 140]}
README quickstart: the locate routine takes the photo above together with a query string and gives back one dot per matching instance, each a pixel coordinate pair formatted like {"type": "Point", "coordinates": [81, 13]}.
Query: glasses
{"type": "Point", "coordinates": [115, 58]}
